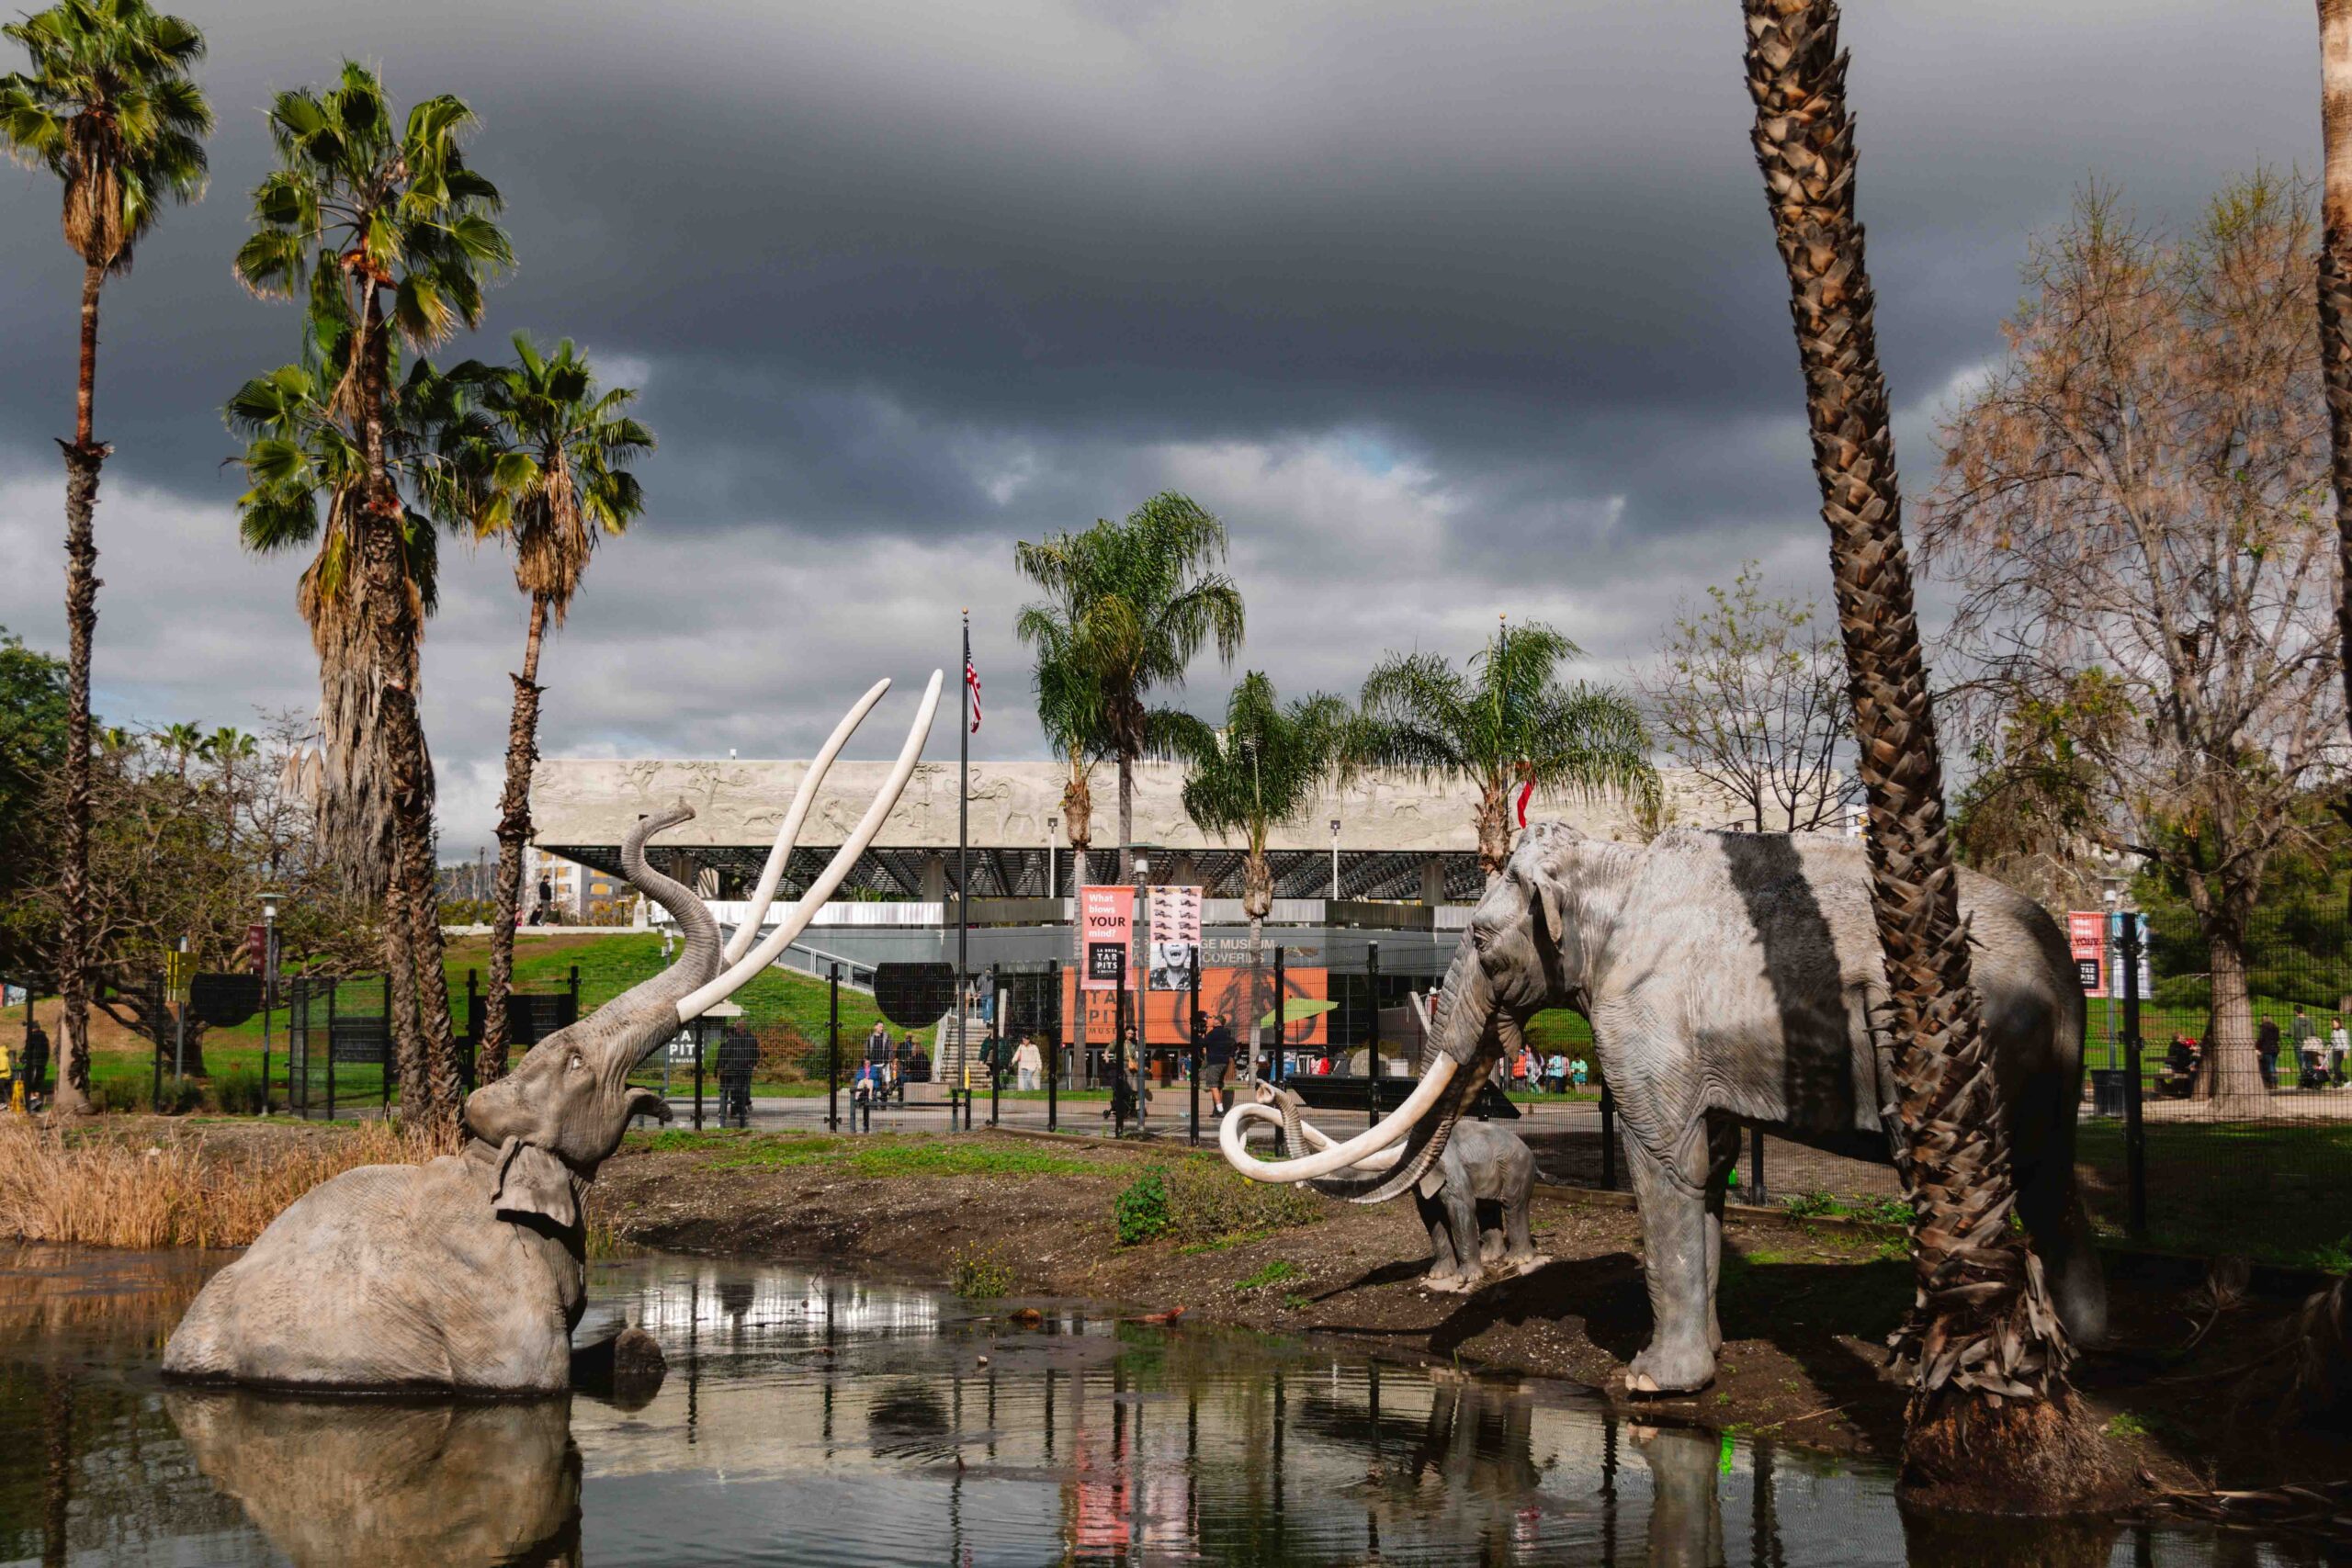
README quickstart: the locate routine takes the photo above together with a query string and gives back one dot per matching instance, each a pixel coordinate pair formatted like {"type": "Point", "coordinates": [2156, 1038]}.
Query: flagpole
{"type": "Point", "coordinates": [962, 867]}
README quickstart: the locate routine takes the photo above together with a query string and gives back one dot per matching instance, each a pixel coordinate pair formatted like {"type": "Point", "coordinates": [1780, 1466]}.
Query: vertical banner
{"type": "Point", "coordinates": [1175, 937]}
{"type": "Point", "coordinates": [2087, 934]}
{"type": "Point", "coordinates": [2115, 952]}
{"type": "Point", "coordinates": [1106, 919]}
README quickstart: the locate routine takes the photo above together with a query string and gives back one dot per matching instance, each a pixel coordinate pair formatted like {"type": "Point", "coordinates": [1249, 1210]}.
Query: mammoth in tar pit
{"type": "Point", "coordinates": [1730, 979]}
{"type": "Point", "coordinates": [470, 1271]}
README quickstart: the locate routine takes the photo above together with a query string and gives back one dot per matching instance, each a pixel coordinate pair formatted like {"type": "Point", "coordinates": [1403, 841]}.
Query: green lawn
{"type": "Point", "coordinates": [2268, 1190]}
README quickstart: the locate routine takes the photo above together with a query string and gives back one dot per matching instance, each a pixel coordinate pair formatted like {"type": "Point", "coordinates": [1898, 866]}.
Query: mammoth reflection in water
{"type": "Point", "coordinates": [344, 1482]}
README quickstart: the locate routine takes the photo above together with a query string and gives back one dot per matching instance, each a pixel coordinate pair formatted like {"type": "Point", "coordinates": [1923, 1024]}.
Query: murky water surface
{"type": "Point", "coordinates": [810, 1420]}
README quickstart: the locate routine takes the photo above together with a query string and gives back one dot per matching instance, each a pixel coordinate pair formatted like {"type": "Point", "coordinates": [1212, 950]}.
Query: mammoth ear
{"type": "Point", "coordinates": [1552, 900]}
{"type": "Point", "coordinates": [532, 1182]}
{"type": "Point", "coordinates": [646, 1102]}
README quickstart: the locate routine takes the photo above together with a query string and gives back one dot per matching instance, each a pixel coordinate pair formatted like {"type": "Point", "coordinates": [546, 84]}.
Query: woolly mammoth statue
{"type": "Point", "coordinates": [1473, 1201]}
{"type": "Point", "coordinates": [470, 1271]}
{"type": "Point", "coordinates": [1730, 979]}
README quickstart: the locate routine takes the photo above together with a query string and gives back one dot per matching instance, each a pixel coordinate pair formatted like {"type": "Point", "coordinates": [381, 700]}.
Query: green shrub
{"type": "Point", "coordinates": [237, 1094]}
{"type": "Point", "coordinates": [118, 1095]}
{"type": "Point", "coordinates": [1141, 1212]}
{"type": "Point", "coordinates": [981, 1274]}
{"type": "Point", "coordinates": [1274, 1273]}
{"type": "Point", "coordinates": [180, 1096]}
{"type": "Point", "coordinates": [1886, 1211]}
{"type": "Point", "coordinates": [1209, 1201]}
{"type": "Point", "coordinates": [1810, 1205]}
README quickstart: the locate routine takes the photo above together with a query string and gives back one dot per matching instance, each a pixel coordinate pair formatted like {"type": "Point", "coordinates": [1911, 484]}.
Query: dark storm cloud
{"type": "Point", "coordinates": [1446, 308]}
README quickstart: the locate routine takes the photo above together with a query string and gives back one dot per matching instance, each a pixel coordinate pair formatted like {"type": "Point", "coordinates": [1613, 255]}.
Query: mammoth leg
{"type": "Point", "coordinates": [1491, 1245]}
{"type": "Point", "coordinates": [1518, 1201]}
{"type": "Point", "coordinates": [1723, 1156]}
{"type": "Point", "coordinates": [1669, 1188]}
{"type": "Point", "coordinates": [1445, 1271]}
{"type": "Point", "coordinates": [1461, 1219]}
{"type": "Point", "coordinates": [2052, 1208]}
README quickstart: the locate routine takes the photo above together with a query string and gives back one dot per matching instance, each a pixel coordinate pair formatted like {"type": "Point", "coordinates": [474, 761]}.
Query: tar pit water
{"type": "Point", "coordinates": [812, 1418]}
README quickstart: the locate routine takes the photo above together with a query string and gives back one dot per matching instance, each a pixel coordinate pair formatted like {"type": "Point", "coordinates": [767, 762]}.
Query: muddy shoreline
{"type": "Point", "coordinates": [1805, 1306]}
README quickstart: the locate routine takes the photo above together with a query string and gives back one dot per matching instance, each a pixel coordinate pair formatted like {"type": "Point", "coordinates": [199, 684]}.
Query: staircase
{"type": "Point", "coordinates": [952, 1050]}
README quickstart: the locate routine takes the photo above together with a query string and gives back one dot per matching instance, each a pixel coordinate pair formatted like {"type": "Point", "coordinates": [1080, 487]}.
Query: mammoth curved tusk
{"type": "Point", "coordinates": [1315, 1138]}
{"type": "Point", "coordinates": [772, 872]}
{"type": "Point", "coordinates": [787, 930]}
{"type": "Point", "coordinates": [1397, 1124]}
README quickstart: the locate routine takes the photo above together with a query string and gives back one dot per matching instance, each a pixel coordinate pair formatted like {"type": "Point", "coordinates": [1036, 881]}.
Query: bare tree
{"type": "Point", "coordinates": [2133, 507]}
{"type": "Point", "coordinates": [1749, 694]}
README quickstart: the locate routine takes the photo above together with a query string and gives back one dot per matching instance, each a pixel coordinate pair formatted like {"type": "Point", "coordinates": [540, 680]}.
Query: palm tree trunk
{"type": "Point", "coordinates": [1991, 1416]}
{"type": "Point", "coordinates": [513, 832]}
{"type": "Point", "coordinates": [400, 973]}
{"type": "Point", "coordinates": [1494, 827]}
{"type": "Point", "coordinates": [392, 611]}
{"type": "Point", "coordinates": [75, 959]}
{"type": "Point", "coordinates": [2336, 288]}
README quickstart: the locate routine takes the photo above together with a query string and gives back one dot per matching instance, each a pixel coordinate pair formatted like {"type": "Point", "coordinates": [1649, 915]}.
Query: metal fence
{"type": "Point", "coordinates": [338, 1038]}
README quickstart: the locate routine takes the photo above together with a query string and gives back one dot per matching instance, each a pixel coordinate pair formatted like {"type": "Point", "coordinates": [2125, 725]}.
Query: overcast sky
{"type": "Point", "coordinates": [1447, 309]}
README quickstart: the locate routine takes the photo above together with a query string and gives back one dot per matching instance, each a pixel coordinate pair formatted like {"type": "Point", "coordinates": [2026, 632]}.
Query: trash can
{"type": "Point", "coordinates": [2106, 1092]}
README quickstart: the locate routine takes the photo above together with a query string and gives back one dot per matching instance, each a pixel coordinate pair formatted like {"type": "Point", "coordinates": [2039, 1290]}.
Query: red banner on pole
{"type": "Point", "coordinates": [1106, 919]}
{"type": "Point", "coordinates": [2087, 935]}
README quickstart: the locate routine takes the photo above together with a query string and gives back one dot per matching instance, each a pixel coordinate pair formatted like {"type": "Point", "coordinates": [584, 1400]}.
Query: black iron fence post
{"type": "Point", "coordinates": [1608, 1137]}
{"type": "Point", "coordinates": [1118, 1061]}
{"type": "Point", "coordinates": [575, 995]}
{"type": "Point", "coordinates": [1054, 1047]}
{"type": "Point", "coordinates": [2136, 1133]}
{"type": "Point", "coordinates": [1282, 1024]}
{"type": "Point", "coordinates": [996, 1031]}
{"type": "Point", "coordinates": [384, 1068]}
{"type": "Point", "coordinates": [694, 1033]}
{"type": "Point", "coordinates": [1193, 1029]}
{"type": "Point", "coordinates": [1372, 1041]}
{"type": "Point", "coordinates": [159, 992]}
{"type": "Point", "coordinates": [332, 986]}
{"type": "Point", "coordinates": [1756, 1166]}
{"type": "Point", "coordinates": [833, 1052]}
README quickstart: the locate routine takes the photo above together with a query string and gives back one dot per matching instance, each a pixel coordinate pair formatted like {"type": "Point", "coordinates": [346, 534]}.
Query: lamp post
{"type": "Point", "coordinates": [269, 898]}
{"type": "Point", "coordinates": [1142, 919]}
{"type": "Point", "coordinates": [1053, 881]}
{"type": "Point", "coordinates": [1335, 858]}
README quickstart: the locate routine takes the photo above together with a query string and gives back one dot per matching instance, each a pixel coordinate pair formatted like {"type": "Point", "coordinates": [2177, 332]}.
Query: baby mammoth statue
{"type": "Point", "coordinates": [470, 1271]}
{"type": "Point", "coordinates": [1474, 1199]}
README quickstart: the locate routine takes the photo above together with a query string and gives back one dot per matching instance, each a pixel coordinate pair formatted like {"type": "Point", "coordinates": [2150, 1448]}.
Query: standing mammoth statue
{"type": "Point", "coordinates": [470, 1271]}
{"type": "Point", "coordinates": [1730, 979]}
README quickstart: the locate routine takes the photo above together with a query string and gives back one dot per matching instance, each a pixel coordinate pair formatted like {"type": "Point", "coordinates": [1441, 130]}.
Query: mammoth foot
{"type": "Point", "coordinates": [1662, 1370]}
{"type": "Point", "coordinates": [1449, 1284]}
{"type": "Point", "coordinates": [1530, 1263]}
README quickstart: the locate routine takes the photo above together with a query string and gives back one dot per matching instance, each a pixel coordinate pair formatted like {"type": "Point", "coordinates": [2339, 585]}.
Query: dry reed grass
{"type": "Point", "coordinates": [115, 1187]}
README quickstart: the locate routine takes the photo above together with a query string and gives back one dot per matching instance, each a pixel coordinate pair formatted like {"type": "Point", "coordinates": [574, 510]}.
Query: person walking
{"type": "Point", "coordinates": [1218, 1049]}
{"type": "Point", "coordinates": [2339, 1048]}
{"type": "Point", "coordinates": [739, 1055]}
{"type": "Point", "coordinates": [2265, 1052]}
{"type": "Point", "coordinates": [34, 1065]}
{"type": "Point", "coordinates": [862, 1093]}
{"type": "Point", "coordinates": [1578, 1070]}
{"type": "Point", "coordinates": [1027, 1063]}
{"type": "Point", "coordinates": [1555, 1073]}
{"type": "Point", "coordinates": [2306, 1037]}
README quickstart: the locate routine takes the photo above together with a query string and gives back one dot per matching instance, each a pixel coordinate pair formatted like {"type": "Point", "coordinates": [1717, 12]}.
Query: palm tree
{"type": "Point", "coordinates": [542, 455]}
{"type": "Point", "coordinates": [1136, 598]}
{"type": "Point", "coordinates": [2336, 288]}
{"type": "Point", "coordinates": [308, 476]}
{"type": "Point", "coordinates": [184, 741]}
{"type": "Point", "coordinates": [376, 221]}
{"type": "Point", "coordinates": [1070, 711]}
{"type": "Point", "coordinates": [1264, 769]}
{"type": "Point", "coordinates": [107, 107]}
{"type": "Point", "coordinates": [1502, 719]}
{"type": "Point", "coordinates": [1991, 1418]}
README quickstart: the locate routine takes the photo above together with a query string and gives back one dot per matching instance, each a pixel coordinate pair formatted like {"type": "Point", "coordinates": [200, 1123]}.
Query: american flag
{"type": "Point", "coordinates": [972, 679]}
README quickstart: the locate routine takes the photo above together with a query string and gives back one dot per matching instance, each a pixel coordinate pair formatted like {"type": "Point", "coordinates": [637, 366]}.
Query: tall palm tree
{"type": "Point", "coordinates": [1991, 1417]}
{"type": "Point", "coordinates": [1070, 711]}
{"type": "Point", "coordinates": [2336, 288]}
{"type": "Point", "coordinates": [184, 741]}
{"type": "Point", "coordinates": [377, 224]}
{"type": "Point", "coordinates": [1139, 598]}
{"type": "Point", "coordinates": [542, 453]}
{"type": "Point", "coordinates": [107, 108]}
{"type": "Point", "coordinates": [309, 479]}
{"type": "Point", "coordinates": [1264, 768]}
{"type": "Point", "coordinates": [1503, 719]}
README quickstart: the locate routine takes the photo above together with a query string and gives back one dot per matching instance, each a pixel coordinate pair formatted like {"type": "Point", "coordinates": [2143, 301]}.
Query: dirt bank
{"type": "Point", "coordinates": [1805, 1306]}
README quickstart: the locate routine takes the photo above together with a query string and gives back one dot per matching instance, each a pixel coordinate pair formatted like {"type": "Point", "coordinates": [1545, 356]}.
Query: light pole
{"type": "Point", "coordinates": [1053, 881]}
{"type": "Point", "coordinates": [1335, 857]}
{"type": "Point", "coordinates": [1142, 919]}
{"type": "Point", "coordinates": [268, 981]}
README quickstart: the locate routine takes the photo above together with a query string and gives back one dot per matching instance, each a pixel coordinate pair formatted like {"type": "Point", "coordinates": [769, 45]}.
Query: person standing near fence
{"type": "Point", "coordinates": [34, 1065]}
{"type": "Point", "coordinates": [2306, 1042]}
{"type": "Point", "coordinates": [738, 1055]}
{"type": "Point", "coordinates": [2340, 1046]}
{"type": "Point", "coordinates": [2265, 1051]}
{"type": "Point", "coordinates": [1027, 1063]}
